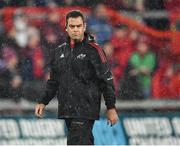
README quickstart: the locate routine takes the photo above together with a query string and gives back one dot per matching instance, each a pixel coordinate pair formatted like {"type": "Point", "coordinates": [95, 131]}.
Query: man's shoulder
{"type": "Point", "coordinates": [94, 46]}
{"type": "Point", "coordinates": [58, 49]}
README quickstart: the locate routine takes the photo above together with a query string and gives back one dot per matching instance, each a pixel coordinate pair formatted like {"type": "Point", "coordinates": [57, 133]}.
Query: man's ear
{"type": "Point", "coordinates": [84, 26]}
{"type": "Point", "coordinates": [65, 28]}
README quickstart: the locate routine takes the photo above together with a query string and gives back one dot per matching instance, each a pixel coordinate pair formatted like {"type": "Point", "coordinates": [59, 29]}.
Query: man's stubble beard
{"type": "Point", "coordinates": [78, 39]}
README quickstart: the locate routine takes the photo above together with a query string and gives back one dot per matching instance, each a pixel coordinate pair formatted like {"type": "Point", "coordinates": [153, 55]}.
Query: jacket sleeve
{"type": "Point", "coordinates": [52, 83]}
{"type": "Point", "coordinates": [103, 74]}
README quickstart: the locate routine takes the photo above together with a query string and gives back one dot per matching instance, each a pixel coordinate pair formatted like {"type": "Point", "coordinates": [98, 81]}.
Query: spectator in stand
{"type": "Point", "coordinates": [2, 29]}
{"type": "Point", "coordinates": [175, 84]}
{"type": "Point", "coordinates": [129, 87]}
{"type": "Point", "coordinates": [9, 41]}
{"type": "Point", "coordinates": [172, 5]}
{"type": "Point", "coordinates": [84, 3]}
{"type": "Point", "coordinates": [33, 66]}
{"type": "Point", "coordinates": [166, 82]}
{"type": "Point", "coordinates": [52, 34]}
{"type": "Point", "coordinates": [134, 36]}
{"type": "Point", "coordinates": [143, 62]}
{"type": "Point", "coordinates": [16, 37]}
{"type": "Point", "coordinates": [10, 75]}
{"type": "Point", "coordinates": [127, 5]}
{"type": "Point", "coordinates": [10, 79]}
{"type": "Point", "coordinates": [20, 24]}
{"type": "Point", "coordinates": [4, 79]}
{"type": "Point", "coordinates": [98, 24]}
{"type": "Point", "coordinates": [9, 38]}
{"type": "Point", "coordinates": [123, 46]}
{"type": "Point", "coordinates": [113, 61]}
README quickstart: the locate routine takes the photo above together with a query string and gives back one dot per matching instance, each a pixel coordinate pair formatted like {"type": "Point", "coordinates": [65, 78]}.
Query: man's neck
{"type": "Point", "coordinates": [72, 42]}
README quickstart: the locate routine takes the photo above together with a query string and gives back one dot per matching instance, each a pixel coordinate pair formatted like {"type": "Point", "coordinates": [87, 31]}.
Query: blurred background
{"type": "Point", "coordinates": [141, 39]}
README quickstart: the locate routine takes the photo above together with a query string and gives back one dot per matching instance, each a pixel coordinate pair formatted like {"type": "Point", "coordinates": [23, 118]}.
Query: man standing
{"type": "Point", "coordinates": [79, 76]}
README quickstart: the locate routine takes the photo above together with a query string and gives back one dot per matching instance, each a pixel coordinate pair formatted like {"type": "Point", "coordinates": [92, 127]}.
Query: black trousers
{"type": "Point", "coordinates": [79, 131]}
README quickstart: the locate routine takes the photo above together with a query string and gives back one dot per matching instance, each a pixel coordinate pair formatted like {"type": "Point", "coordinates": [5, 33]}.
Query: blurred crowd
{"type": "Point", "coordinates": [140, 72]}
{"type": "Point", "coordinates": [132, 5]}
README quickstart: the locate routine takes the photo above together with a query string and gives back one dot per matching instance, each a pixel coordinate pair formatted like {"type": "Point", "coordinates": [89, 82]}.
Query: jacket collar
{"type": "Point", "coordinates": [87, 39]}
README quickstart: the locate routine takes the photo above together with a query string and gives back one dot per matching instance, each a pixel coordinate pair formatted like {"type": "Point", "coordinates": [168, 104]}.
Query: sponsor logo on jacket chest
{"type": "Point", "coordinates": [81, 56]}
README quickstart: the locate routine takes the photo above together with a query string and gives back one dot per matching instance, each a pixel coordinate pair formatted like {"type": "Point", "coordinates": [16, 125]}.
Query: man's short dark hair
{"type": "Point", "coordinates": [74, 14]}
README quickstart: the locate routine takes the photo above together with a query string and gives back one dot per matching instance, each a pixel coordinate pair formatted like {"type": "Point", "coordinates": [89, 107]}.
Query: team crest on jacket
{"type": "Point", "coordinates": [81, 56]}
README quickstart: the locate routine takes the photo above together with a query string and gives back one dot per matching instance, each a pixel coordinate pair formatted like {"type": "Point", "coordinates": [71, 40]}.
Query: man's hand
{"type": "Point", "coordinates": [112, 116]}
{"type": "Point", "coordinates": [39, 109]}
{"type": "Point", "coordinates": [145, 71]}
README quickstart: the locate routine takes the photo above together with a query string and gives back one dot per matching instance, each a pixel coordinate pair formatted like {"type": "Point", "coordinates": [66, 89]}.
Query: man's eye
{"type": "Point", "coordinates": [78, 26]}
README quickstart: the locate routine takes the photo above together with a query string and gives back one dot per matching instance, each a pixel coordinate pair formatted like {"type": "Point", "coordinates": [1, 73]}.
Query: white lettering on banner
{"type": "Point", "coordinates": [176, 125]}
{"type": "Point", "coordinates": [42, 128]}
{"type": "Point", "coordinates": [148, 126]}
{"type": "Point", "coordinates": [9, 129]}
{"type": "Point", "coordinates": [59, 141]}
{"type": "Point", "coordinates": [154, 141]}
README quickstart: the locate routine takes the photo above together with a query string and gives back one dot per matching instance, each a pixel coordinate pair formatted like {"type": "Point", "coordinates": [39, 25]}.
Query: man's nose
{"type": "Point", "coordinates": [75, 28]}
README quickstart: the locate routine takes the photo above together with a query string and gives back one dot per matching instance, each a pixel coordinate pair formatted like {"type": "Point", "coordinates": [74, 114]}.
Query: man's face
{"type": "Point", "coordinates": [142, 48]}
{"type": "Point", "coordinates": [76, 28]}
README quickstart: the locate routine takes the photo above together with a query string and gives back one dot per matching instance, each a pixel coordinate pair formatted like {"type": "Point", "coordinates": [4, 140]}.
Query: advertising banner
{"type": "Point", "coordinates": [132, 129]}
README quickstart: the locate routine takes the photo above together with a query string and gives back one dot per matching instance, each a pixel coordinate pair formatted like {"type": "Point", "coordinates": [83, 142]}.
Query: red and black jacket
{"type": "Point", "coordinates": [79, 76]}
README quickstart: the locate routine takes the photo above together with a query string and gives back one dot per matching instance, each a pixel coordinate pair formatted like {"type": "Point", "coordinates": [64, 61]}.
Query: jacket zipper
{"type": "Point", "coordinates": [69, 70]}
